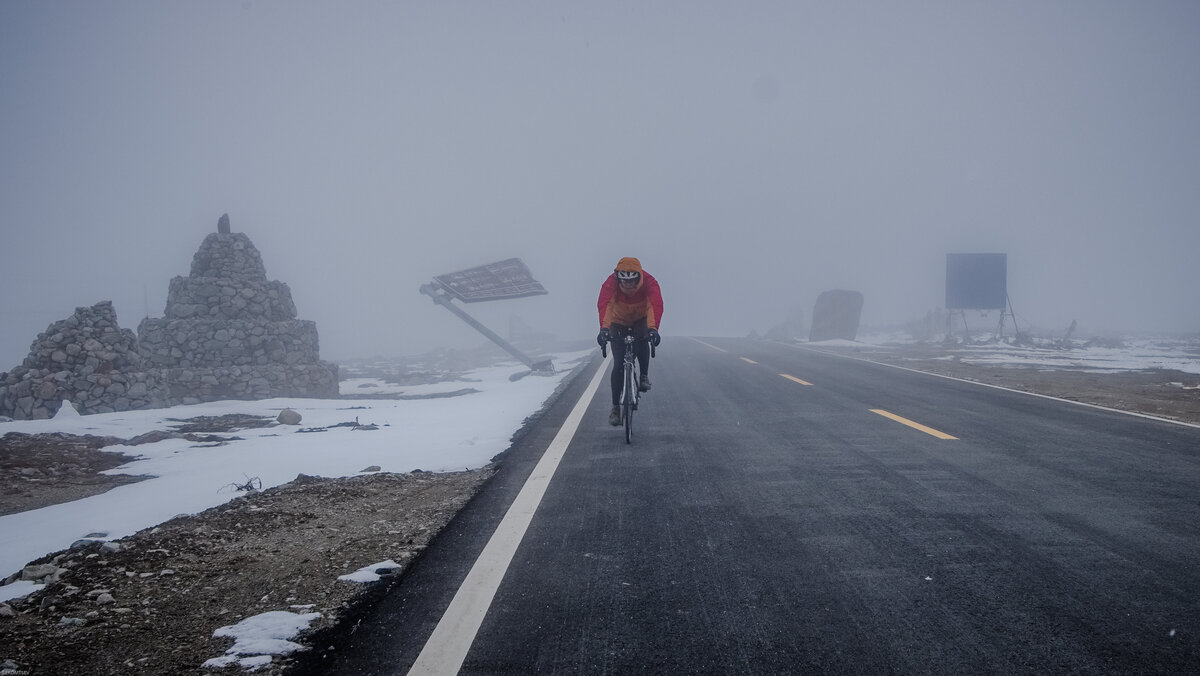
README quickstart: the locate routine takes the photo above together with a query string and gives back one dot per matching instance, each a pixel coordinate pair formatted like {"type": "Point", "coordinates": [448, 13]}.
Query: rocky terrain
{"type": "Point", "coordinates": [149, 603]}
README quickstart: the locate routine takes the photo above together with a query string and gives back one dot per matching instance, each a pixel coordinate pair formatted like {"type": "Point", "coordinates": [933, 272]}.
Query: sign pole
{"type": "Point", "coordinates": [443, 299]}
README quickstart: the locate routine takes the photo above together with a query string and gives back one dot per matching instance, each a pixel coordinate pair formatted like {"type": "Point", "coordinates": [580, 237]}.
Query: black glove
{"type": "Point", "coordinates": [603, 338]}
{"type": "Point", "coordinates": [655, 339]}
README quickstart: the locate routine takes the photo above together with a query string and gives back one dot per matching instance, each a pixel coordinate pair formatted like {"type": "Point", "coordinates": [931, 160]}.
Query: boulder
{"type": "Point", "coordinates": [836, 315]}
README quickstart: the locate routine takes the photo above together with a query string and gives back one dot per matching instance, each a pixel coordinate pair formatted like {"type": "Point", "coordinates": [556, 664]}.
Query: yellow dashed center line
{"type": "Point", "coordinates": [795, 379]}
{"type": "Point", "coordinates": [915, 426]}
{"type": "Point", "coordinates": [749, 361]}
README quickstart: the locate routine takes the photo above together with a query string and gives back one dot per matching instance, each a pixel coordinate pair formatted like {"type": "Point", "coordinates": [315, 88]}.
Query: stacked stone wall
{"type": "Point", "coordinates": [215, 298]}
{"type": "Point", "coordinates": [86, 359]}
{"type": "Point", "coordinates": [196, 385]}
{"type": "Point", "coordinates": [228, 255]}
{"type": "Point", "coordinates": [234, 342]}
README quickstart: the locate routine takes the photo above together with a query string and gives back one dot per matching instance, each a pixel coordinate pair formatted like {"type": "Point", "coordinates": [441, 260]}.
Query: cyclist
{"type": "Point", "coordinates": [630, 302]}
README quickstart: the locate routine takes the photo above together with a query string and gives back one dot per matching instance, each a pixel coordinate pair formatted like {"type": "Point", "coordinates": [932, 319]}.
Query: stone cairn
{"type": "Point", "coordinates": [227, 333]}
{"type": "Point", "coordinates": [86, 359]}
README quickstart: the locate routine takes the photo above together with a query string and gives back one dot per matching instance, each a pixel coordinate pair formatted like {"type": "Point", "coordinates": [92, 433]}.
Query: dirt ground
{"type": "Point", "coordinates": [149, 603]}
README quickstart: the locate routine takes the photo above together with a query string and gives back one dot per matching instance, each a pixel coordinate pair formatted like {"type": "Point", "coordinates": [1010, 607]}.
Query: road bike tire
{"type": "Point", "coordinates": [628, 404]}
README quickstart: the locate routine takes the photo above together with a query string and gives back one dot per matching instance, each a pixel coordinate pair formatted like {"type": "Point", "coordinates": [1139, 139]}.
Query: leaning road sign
{"type": "Point", "coordinates": [498, 281]}
{"type": "Point", "coordinates": [505, 279]}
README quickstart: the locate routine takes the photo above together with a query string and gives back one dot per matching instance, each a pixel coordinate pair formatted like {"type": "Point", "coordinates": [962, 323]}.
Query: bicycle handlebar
{"type": "Point", "coordinates": [604, 347]}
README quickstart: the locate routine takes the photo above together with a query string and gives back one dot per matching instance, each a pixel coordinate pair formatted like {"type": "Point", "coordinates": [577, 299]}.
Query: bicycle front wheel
{"type": "Point", "coordinates": [627, 412]}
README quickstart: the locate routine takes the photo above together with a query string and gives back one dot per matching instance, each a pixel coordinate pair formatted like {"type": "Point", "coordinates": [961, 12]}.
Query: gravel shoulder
{"type": "Point", "coordinates": [149, 603]}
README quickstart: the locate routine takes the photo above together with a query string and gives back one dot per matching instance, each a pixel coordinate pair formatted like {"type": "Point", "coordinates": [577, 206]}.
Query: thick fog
{"type": "Point", "coordinates": [752, 155]}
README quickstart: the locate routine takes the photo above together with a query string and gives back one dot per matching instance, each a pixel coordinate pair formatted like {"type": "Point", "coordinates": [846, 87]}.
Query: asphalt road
{"type": "Point", "coordinates": [787, 511]}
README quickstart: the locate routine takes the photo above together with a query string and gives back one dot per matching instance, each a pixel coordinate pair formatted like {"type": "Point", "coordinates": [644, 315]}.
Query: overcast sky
{"type": "Point", "coordinates": [751, 154]}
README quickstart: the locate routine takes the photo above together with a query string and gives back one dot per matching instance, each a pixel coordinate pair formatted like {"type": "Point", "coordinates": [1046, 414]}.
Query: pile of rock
{"type": "Point", "coordinates": [228, 333]}
{"type": "Point", "coordinates": [86, 359]}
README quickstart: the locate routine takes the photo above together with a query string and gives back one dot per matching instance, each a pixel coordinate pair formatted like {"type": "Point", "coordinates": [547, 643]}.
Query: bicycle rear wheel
{"type": "Point", "coordinates": [628, 404]}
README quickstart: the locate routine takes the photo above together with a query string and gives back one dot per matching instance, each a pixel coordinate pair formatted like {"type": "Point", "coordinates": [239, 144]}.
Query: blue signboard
{"type": "Point", "coordinates": [976, 281]}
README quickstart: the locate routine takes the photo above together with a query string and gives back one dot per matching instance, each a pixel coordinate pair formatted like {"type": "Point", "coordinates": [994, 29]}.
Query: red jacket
{"type": "Point", "coordinates": [617, 307]}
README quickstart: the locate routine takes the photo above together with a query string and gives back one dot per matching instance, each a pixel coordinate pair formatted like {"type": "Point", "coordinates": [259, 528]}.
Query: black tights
{"type": "Point", "coordinates": [641, 351]}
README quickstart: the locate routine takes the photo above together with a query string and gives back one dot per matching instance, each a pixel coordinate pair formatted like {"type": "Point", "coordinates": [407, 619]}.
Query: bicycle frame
{"type": "Point", "coordinates": [630, 393]}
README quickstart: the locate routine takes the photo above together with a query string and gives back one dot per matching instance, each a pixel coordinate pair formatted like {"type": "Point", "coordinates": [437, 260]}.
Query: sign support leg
{"type": "Point", "coordinates": [443, 300]}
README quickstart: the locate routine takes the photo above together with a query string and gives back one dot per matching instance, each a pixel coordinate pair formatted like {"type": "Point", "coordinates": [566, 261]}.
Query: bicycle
{"type": "Point", "coordinates": [631, 394]}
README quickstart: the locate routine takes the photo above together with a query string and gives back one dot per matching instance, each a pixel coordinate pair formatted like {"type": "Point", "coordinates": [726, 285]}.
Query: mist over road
{"type": "Point", "coordinates": [797, 147]}
{"type": "Point", "coordinates": [784, 510]}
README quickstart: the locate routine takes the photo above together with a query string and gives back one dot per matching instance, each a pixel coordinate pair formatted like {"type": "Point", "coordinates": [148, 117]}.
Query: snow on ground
{"type": "Point", "coordinates": [258, 637]}
{"type": "Point", "coordinates": [1136, 357]}
{"type": "Point", "coordinates": [369, 573]}
{"type": "Point", "coordinates": [436, 434]}
{"type": "Point", "coordinates": [1129, 354]}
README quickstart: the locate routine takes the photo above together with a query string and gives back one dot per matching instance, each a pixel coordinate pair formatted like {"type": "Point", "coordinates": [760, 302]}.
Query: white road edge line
{"type": "Point", "coordinates": [447, 646]}
{"type": "Point", "coordinates": [708, 344]}
{"type": "Point", "coordinates": [999, 387]}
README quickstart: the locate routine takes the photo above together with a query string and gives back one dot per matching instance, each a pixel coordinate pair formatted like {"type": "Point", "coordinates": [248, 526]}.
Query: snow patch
{"type": "Point", "coordinates": [66, 412]}
{"type": "Point", "coordinates": [258, 637]}
{"type": "Point", "coordinates": [369, 573]}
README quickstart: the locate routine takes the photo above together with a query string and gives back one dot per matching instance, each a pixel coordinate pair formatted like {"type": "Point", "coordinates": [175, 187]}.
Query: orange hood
{"type": "Point", "coordinates": [628, 264]}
